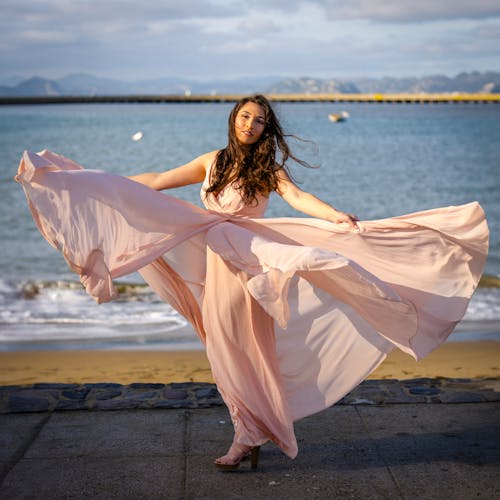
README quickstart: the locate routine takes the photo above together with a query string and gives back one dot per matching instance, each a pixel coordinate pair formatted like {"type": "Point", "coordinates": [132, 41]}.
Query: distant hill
{"type": "Point", "coordinates": [463, 82]}
{"type": "Point", "coordinates": [313, 86]}
{"type": "Point", "coordinates": [33, 86]}
{"type": "Point", "coordinates": [88, 85]}
{"type": "Point", "coordinates": [473, 82]}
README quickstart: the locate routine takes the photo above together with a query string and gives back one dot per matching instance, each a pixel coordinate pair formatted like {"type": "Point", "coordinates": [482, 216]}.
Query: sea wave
{"type": "Point", "coordinates": [47, 310]}
{"type": "Point", "coordinates": [31, 288]}
{"type": "Point", "coordinates": [54, 312]}
{"type": "Point", "coordinates": [65, 302]}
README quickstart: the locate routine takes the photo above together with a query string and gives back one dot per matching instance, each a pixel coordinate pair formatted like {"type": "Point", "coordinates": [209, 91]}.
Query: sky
{"type": "Point", "coordinates": [216, 39]}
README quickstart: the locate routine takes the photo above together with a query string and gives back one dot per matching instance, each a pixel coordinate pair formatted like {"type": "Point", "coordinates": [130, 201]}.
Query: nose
{"type": "Point", "coordinates": [250, 123]}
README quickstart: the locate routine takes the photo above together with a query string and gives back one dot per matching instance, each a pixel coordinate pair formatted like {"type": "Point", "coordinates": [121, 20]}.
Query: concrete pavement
{"type": "Point", "coordinates": [401, 451]}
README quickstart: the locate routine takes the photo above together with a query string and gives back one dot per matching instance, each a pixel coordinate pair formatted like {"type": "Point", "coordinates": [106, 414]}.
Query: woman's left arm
{"type": "Point", "coordinates": [309, 204]}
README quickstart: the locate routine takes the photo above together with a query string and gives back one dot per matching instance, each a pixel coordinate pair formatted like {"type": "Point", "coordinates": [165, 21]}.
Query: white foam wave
{"type": "Point", "coordinates": [61, 311]}
{"type": "Point", "coordinates": [484, 305]}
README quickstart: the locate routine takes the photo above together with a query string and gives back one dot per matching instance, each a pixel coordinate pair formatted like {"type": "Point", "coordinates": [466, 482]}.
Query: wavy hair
{"type": "Point", "coordinates": [252, 169]}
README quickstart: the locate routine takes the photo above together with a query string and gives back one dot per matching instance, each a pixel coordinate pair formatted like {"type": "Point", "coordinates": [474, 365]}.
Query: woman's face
{"type": "Point", "coordinates": [250, 123]}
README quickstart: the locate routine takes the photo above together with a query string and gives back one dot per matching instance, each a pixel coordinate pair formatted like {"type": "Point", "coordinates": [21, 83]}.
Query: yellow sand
{"type": "Point", "coordinates": [453, 359]}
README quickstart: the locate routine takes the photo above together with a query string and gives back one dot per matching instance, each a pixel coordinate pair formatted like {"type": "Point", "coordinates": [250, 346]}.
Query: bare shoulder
{"type": "Point", "coordinates": [286, 186]}
{"type": "Point", "coordinates": [283, 175]}
{"type": "Point", "coordinates": [284, 180]}
{"type": "Point", "coordinates": [208, 158]}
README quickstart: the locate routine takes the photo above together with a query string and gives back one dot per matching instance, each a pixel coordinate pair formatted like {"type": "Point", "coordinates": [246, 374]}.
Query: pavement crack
{"type": "Point", "coordinates": [186, 451]}
{"type": "Point", "coordinates": [23, 448]}
{"type": "Point", "coordinates": [381, 456]}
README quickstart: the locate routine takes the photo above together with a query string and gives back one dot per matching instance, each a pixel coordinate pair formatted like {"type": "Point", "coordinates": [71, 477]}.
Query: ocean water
{"type": "Point", "coordinates": [385, 160]}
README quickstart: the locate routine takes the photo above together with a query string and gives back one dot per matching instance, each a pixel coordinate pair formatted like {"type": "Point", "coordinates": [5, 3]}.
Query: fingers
{"type": "Point", "coordinates": [350, 219]}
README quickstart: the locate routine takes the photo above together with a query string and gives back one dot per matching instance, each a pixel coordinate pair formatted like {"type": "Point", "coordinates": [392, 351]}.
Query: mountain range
{"type": "Point", "coordinates": [89, 85]}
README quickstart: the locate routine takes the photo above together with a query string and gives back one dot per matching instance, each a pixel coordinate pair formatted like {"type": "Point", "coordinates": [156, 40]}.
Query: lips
{"type": "Point", "coordinates": [246, 134]}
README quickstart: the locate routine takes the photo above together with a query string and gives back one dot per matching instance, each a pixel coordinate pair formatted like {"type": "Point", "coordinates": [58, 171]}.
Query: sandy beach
{"type": "Point", "coordinates": [451, 360]}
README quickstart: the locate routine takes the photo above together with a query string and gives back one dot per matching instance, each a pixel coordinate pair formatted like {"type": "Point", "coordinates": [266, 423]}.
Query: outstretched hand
{"type": "Point", "coordinates": [351, 219]}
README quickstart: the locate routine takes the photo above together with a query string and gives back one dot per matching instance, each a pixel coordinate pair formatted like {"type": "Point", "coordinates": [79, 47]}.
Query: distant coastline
{"type": "Point", "coordinates": [409, 98]}
{"type": "Point", "coordinates": [83, 84]}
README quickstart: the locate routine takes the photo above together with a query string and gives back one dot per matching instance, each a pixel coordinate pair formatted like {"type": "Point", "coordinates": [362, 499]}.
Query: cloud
{"type": "Point", "coordinates": [53, 36]}
{"type": "Point", "coordinates": [236, 48]}
{"type": "Point", "coordinates": [97, 18]}
{"type": "Point", "coordinates": [256, 26]}
{"type": "Point", "coordinates": [408, 11]}
{"type": "Point", "coordinates": [228, 38]}
{"type": "Point", "coordinates": [487, 32]}
{"type": "Point", "coordinates": [114, 9]}
{"type": "Point", "coordinates": [100, 23]}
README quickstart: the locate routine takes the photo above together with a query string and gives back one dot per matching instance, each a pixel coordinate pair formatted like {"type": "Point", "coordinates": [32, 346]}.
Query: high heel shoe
{"type": "Point", "coordinates": [239, 455]}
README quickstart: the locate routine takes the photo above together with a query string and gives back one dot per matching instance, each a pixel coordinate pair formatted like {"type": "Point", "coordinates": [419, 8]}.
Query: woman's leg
{"type": "Point", "coordinates": [242, 353]}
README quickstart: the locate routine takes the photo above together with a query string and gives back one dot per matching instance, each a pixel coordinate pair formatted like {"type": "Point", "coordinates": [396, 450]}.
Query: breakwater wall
{"type": "Point", "coordinates": [340, 98]}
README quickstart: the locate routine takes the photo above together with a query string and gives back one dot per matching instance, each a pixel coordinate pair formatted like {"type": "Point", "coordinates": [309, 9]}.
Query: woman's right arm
{"type": "Point", "coordinates": [190, 173]}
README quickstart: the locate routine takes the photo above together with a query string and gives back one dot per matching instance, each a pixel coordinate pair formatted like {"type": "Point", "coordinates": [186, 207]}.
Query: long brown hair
{"type": "Point", "coordinates": [252, 169]}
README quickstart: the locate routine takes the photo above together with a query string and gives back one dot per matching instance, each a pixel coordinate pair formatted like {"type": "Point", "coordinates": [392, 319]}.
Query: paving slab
{"type": "Point", "coordinates": [16, 435]}
{"type": "Point", "coordinates": [394, 451]}
{"type": "Point", "coordinates": [110, 434]}
{"type": "Point", "coordinates": [433, 453]}
{"type": "Point", "coordinates": [400, 451]}
{"type": "Point", "coordinates": [15, 432]}
{"type": "Point", "coordinates": [88, 477]}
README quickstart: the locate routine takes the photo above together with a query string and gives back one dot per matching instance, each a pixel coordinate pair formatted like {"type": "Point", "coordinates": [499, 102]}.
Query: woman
{"type": "Point", "coordinates": [294, 312]}
{"type": "Point", "coordinates": [249, 162]}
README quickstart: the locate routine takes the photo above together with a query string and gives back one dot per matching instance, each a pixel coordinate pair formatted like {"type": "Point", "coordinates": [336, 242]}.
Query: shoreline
{"type": "Point", "coordinates": [465, 360]}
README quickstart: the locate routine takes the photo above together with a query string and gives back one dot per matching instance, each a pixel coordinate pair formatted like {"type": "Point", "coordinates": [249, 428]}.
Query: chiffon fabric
{"type": "Point", "coordinates": [294, 312]}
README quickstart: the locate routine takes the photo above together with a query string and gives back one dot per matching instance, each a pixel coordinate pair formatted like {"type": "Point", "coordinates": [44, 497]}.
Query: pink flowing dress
{"type": "Point", "coordinates": [294, 312]}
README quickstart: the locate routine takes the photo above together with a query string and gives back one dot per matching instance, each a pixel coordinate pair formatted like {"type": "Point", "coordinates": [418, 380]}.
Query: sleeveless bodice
{"type": "Point", "coordinates": [229, 201]}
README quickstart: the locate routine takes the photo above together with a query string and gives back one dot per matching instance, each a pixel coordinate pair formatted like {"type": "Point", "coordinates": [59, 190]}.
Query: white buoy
{"type": "Point", "coordinates": [137, 136]}
{"type": "Point", "coordinates": [338, 117]}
